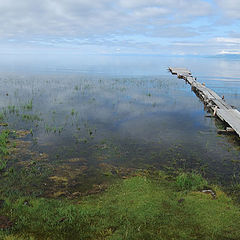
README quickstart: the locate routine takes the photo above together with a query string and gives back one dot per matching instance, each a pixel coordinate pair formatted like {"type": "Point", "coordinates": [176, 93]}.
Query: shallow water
{"type": "Point", "coordinates": [89, 116]}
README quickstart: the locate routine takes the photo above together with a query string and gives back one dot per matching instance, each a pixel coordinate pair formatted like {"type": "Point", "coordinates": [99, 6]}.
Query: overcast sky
{"type": "Point", "coordinates": [201, 27]}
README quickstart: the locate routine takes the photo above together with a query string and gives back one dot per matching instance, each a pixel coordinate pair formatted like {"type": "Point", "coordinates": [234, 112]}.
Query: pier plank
{"type": "Point", "coordinates": [232, 117]}
{"type": "Point", "coordinates": [190, 80]}
{"type": "Point", "coordinates": [222, 104]}
{"type": "Point", "coordinates": [179, 70]}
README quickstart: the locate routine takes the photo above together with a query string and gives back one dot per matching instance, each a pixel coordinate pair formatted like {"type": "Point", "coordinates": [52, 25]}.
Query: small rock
{"type": "Point", "coordinates": [114, 172]}
{"type": "Point", "coordinates": [62, 219]}
{"type": "Point", "coordinates": [209, 191]}
{"type": "Point", "coordinates": [26, 203]}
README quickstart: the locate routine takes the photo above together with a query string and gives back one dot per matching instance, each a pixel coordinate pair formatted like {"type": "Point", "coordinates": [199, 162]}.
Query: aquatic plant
{"type": "Point", "coordinates": [53, 129]}
{"type": "Point", "coordinates": [31, 117]}
{"type": "Point", "coordinates": [28, 105]}
{"type": "Point", "coordinates": [12, 109]}
{"type": "Point", "coordinates": [2, 116]}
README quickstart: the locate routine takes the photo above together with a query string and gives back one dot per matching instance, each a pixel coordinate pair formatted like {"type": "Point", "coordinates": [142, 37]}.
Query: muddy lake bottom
{"type": "Point", "coordinates": [73, 133]}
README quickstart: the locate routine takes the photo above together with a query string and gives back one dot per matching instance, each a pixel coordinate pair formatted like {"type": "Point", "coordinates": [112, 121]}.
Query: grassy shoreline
{"type": "Point", "coordinates": [140, 207]}
{"type": "Point", "coordinates": [144, 205]}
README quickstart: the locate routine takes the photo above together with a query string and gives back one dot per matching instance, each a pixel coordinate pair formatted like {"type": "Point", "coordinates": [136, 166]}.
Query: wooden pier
{"type": "Point", "coordinates": [220, 108]}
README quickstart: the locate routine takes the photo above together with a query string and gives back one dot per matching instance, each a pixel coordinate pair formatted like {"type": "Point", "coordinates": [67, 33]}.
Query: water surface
{"type": "Point", "coordinates": [90, 116]}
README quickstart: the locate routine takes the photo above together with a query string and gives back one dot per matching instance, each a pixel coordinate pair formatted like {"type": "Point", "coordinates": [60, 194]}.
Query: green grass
{"type": "Point", "coordinates": [190, 181]}
{"type": "Point", "coordinates": [135, 208]}
{"type": "Point", "coordinates": [4, 151]}
{"type": "Point", "coordinates": [28, 105]}
{"type": "Point", "coordinates": [31, 117]}
{"type": "Point", "coordinates": [12, 109]}
{"type": "Point", "coordinates": [2, 116]}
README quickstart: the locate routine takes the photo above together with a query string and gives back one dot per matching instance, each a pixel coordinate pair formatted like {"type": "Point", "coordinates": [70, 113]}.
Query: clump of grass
{"type": "Point", "coordinates": [73, 112]}
{"type": "Point", "coordinates": [190, 181]}
{"type": "Point", "coordinates": [3, 148]}
{"type": "Point", "coordinates": [31, 117]}
{"type": "Point", "coordinates": [54, 129]}
{"type": "Point", "coordinates": [28, 105]}
{"type": "Point", "coordinates": [3, 142]}
{"type": "Point", "coordinates": [2, 116]}
{"type": "Point", "coordinates": [12, 109]}
{"type": "Point", "coordinates": [3, 164]}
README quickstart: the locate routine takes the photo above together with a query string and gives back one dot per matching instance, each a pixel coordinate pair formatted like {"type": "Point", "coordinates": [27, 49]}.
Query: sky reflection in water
{"type": "Point", "coordinates": [130, 103]}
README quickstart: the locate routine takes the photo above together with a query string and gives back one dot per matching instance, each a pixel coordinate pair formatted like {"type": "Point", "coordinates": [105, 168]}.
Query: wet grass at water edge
{"type": "Point", "coordinates": [140, 207]}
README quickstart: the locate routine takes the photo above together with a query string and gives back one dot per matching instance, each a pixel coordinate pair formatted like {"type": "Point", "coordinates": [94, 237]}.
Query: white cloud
{"type": "Point", "coordinates": [86, 18]}
{"type": "Point", "coordinates": [231, 8]}
{"type": "Point", "coordinates": [228, 40]}
{"type": "Point", "coordinates": [231, 52]}
{"type": "Point", "coordinates": [146, 26]}
{"type": "Point", "coordinates": [150, 12]}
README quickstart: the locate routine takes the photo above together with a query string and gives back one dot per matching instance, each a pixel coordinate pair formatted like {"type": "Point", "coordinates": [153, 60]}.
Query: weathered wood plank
{"type": "Point", "coordinates": [190, 80]}
{"type": "Point", "coordinates": [179, 70]}
{"type": "Point", "coordinates": [222, 104]}
{"type": "Point", "coordinates": [232, 117]}
{"type": "Point", "coordinates": [183, 75]}
{"type": "Point", "coordinates": [214, 94]}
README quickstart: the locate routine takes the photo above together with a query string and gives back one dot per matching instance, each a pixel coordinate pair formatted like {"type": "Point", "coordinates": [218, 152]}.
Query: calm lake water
{"type": "Point", "coordinates": [89, 116]}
